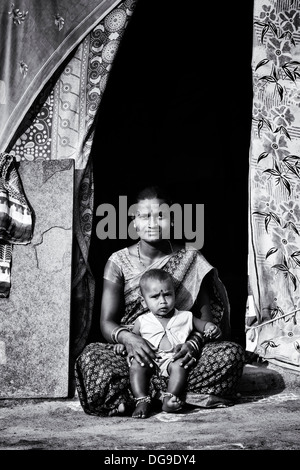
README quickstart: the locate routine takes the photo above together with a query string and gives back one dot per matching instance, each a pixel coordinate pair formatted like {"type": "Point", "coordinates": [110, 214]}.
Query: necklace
{"type": "Point", "coordinates": [139, 255]}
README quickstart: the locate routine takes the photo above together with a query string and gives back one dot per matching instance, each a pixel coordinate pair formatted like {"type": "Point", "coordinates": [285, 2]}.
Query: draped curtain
{"type": "Point", "coordinates": [272, 322]}
{"type": "Point", "coordinates": [55, 60]}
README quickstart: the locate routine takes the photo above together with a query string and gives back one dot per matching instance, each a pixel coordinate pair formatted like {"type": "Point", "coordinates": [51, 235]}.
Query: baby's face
{"type": "Point", "coordinates": [159, 296]}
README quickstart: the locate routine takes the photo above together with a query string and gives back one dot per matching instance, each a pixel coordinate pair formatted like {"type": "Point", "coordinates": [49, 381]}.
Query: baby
{"type": "Point", "coordinates": [163, 327]}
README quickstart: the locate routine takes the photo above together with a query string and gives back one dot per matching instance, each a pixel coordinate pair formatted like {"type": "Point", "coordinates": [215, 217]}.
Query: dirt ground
{"type": "Point", "coordinates": [265, 417]}
{"type": "Point", "coordinates": [269, 421]}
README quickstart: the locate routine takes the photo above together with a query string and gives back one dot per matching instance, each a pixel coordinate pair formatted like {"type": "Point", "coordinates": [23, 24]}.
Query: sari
{"type": "Point", "coordinates": [102, 377]}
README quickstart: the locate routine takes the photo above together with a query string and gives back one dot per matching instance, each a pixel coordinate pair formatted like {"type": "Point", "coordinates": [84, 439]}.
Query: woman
{"type": "Point", "coordinates": [102, 376]}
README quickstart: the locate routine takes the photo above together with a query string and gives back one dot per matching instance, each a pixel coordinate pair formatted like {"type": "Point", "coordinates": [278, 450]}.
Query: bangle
{"type": "Point", "coordinates": [115, 332]}
{"type": "Point", "coordinates": [112, 334]}
{"type": "Point", "coordinates": [194, 345]}
{"type": "Point", "coordinates": [119, 331]}
{"type": "Point", "coordinates": [196, 340]}
{"type": "Point", "coordinates": [195, 335]}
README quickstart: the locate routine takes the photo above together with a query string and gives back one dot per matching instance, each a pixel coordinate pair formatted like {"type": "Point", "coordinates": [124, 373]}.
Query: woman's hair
{"type": "Point", "coordinates": [156, 274]}
{"type": "Point", "coordinates": [151, 192]}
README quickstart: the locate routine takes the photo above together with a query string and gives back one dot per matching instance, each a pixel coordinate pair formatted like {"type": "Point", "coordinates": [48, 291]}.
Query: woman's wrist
{"type": "Point", "coordinates": [195, 347]}
{"type": "Point", "coordinates": [195, 340]}
{"type": "Point", "coordinates": [114, 335]}
{"type": "Point", "coordinates": [122, 334]}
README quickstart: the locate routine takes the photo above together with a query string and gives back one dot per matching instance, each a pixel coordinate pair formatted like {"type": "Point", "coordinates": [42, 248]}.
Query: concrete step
{"type": "Point", "coordinates": [262, 377]}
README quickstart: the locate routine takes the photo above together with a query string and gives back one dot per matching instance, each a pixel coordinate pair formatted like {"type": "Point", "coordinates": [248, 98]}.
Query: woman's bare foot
{"type": "Point", "coordinates": [143, 407]}
{"type": "Point", "coordinates": [171, 403]}
{"type": "Point", "coordinates": [118, 411]}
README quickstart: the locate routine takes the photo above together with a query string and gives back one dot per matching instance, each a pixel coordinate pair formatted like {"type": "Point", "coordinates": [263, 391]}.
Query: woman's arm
{"type": "Point", "coordinates": [205, 323]}
{"type": "Point", "coordinates": [112, 305]}
{"type": "Point", "coordinates": [203, 302]}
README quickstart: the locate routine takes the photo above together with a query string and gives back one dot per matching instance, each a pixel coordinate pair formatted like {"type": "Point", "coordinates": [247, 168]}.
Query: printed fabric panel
{"type": "Point", "coordinates": [273, 317]}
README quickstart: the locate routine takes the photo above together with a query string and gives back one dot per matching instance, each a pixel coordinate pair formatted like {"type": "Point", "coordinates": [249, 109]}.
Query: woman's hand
{"type": "Point", "coordinates": [187, 352]}
{"type": "Point", "coordinates": [138, 348]}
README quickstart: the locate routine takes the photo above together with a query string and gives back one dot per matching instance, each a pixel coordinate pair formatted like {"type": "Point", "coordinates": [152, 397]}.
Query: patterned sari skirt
{"type": "Point", "coordinates": [102, 377]}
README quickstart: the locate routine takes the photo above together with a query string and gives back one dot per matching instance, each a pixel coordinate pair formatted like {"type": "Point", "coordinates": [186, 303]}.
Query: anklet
{"type": "Point", "coordinates": [167, 394]}
{"type": "Point", "coordinates": [146, 399]}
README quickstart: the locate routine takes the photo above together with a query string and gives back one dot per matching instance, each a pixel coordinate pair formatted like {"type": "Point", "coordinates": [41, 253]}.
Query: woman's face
{"type": "Point", "coordinates": [152, 220]}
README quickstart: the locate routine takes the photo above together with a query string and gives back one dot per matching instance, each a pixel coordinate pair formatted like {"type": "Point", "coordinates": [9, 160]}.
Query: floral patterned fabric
{"type": "Point", "coordinates": [274, 183]}
{"type": "Point", "coordinates": [52, 30]}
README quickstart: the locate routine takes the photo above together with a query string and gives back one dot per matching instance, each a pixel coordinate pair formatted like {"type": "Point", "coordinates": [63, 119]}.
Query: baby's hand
{"type": "Point", "coordinates": [212, 331]}
{"type": "Point", "coordinates": [119, 349]}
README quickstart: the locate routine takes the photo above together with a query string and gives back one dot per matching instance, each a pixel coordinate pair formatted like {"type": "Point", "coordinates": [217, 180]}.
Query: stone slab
{"type": "Point", "coordinates": [35, 318]}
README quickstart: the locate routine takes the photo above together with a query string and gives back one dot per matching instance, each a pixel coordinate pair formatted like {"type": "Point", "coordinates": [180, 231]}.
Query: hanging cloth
{"type": "Point", "coordinates": [274, 185]}
{"type": "Point", "coordinates": [15, 217]}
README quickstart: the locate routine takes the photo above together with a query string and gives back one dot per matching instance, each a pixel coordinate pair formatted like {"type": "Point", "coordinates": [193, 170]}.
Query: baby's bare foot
{"type": "Point", "coordinates": [142, 410]}
{"type": "Point", "coordinates": [171, 403]}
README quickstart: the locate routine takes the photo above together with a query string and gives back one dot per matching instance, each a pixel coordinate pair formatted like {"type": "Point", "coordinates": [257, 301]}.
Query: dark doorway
{"type": "Point", "coordinates": [177, 111]}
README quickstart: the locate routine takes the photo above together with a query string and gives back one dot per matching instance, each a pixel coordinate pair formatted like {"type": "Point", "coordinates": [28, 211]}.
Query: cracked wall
{"type": "Point", "coordinates": [35, 319]}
